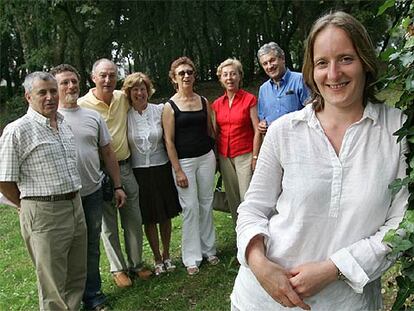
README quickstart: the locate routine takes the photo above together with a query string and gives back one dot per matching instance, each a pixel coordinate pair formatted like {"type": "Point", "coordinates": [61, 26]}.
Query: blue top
{"type": "Point", "coordinates": [275, 101]}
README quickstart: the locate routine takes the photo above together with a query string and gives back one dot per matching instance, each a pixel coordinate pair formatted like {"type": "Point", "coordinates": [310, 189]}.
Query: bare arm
{"type": "Point", "coordinates": [210, 126]}
{"type": "Point", "coordinates": [257, 138]}
{"type": "Point", "coordinates": [112, 167]}
{"type": "Point", "coordinates": [11, 192]}
{"type": "Point", "coordinates": [168, 124]}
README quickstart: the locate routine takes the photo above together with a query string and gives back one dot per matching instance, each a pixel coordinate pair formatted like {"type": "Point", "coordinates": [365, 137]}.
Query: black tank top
{"type": "Point", "coordinates": [191, 135]}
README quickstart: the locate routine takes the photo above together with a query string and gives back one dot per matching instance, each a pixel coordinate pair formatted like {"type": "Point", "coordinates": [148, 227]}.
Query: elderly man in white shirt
{"type": "Point", "coordinates": [38, 173]}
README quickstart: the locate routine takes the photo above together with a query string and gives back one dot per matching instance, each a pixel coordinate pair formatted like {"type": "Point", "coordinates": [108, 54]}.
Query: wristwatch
{"type": "Point", "coordinates": [119, 187]}
{"type": "Point", "coordinates": [341, 276]}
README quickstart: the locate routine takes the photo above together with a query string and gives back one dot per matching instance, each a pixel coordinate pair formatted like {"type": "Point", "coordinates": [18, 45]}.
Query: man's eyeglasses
{"type": "Point", "coordinates": [183, 72]}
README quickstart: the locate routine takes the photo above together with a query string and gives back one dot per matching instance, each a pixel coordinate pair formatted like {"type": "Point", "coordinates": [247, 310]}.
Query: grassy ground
{"type": "Point", "coordinates": [207, 291]}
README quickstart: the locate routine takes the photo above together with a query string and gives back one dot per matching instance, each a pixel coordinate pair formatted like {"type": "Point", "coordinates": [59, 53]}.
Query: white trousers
{"type": "Point", "coordinates": [198, 233]}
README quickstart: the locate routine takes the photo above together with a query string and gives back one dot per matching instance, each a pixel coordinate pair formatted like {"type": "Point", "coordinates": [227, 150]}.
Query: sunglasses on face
{"type": "Point", "coordinates": [183, 72]}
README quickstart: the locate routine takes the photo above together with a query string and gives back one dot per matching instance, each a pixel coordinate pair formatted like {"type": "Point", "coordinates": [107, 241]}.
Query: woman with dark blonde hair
{"type": "Point", "coordinates": [157, 193]}
{"type": "Point", "coordinates": [310, 230]}
{"type": "Point", "coordinates": [188, 138]}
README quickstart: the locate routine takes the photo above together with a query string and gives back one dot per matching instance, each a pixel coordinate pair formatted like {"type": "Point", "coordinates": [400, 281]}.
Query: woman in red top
{"type": "Point", "coordinates": [238, 141]}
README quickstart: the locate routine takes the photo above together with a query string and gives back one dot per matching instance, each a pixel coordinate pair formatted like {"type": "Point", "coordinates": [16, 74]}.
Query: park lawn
{"type": "Point", "coordinates": [207, 291]}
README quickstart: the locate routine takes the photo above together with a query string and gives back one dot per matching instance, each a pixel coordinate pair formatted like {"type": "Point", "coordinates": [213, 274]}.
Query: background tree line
{"type": "Point", "coordinates": [147, 35]}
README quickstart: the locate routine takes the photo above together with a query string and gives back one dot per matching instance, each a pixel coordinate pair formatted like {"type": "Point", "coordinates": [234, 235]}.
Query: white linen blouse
{"type": "Point", "coordinates": [145, 137]}
{"type": "Point", "coordinates": [311, 204]}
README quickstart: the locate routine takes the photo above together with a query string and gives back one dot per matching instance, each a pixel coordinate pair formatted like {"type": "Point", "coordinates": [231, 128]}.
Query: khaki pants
{"type": "Point", "coordinates": [55, 236]}
{"type": "Point", "coordinates": [237, 173]}
{"type": "Point", "coordinates": [131, 222]}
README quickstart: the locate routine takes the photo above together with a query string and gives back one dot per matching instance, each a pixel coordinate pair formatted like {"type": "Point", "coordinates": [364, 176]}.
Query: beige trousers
{"type": "Point", "coordinates": [237, 173]}
{"type": "Point", "coordinates": [55, 236]}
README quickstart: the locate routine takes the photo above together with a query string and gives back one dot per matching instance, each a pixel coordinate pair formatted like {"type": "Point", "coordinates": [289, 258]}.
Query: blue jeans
{"type": "Point", "coordinates": [93, 207]}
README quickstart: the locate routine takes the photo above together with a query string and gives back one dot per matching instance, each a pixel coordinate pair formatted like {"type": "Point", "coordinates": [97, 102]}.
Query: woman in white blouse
{"type": "Point", "coordinates": [152, 169]}
{"type": "Point", "coordinates": [310, 230]}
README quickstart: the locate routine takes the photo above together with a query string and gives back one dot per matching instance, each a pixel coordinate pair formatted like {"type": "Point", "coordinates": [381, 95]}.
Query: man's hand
{"type": "Point", "coordinates": [120, 198]}
{"type": "Point", "coordinates": [310, 278]}
{"type": "Point", "coordinates": [181, 179]}
{"type": "Point", "coordinates": [262, 127]}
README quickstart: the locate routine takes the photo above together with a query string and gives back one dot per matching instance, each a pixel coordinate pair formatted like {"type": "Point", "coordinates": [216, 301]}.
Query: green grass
{"type": "Point", "coordinates": [207, 291]}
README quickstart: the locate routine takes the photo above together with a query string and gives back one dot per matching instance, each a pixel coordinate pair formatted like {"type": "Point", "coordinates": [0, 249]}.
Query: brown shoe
{"type": "Point", "coordinates": [121, 279]}
{"type": "Point", "coordinates": [144, 274]}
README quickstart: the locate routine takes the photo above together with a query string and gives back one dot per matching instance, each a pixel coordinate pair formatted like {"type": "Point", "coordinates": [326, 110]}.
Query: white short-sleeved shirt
{"type": "Point", "coordinates": [312, 205]}
{"type": "Point", "coordinates": [91, 133]}
{"type": "Point", "coordinates": [145, 137]}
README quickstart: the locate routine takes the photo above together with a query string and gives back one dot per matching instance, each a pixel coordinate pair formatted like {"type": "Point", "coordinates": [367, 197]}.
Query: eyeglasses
{"type": "Point", "coordinates": [183, 72]}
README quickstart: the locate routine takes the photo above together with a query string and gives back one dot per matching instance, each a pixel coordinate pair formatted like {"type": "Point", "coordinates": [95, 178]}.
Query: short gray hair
{"type": "Point", "coordinates": [103, 60]}
{"type": "Point", "coordinates": [36, 75]}
{"type": "Point", "coordinates": [270, 47]}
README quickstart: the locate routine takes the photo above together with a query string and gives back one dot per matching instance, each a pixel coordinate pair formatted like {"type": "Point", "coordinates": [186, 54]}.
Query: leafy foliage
{"type": "Point", "coordinates": [400, 80]}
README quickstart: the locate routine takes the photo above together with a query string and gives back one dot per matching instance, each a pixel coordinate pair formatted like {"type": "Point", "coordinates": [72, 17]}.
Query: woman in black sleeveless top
{"type": "Point", "coordinates": [187, 130]}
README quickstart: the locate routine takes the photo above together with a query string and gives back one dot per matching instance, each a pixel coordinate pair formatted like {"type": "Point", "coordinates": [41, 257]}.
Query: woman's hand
{"type": "Point", "coordinates": [181, 179]}
{"type": "Point", "coordinates": [272, 277]}
{"type": "Point", "coordinates": [310, 278]}
{"type": "Point", "coordinates": [262, 127]}
{"type": "Point", "coordinates": [254, 162]}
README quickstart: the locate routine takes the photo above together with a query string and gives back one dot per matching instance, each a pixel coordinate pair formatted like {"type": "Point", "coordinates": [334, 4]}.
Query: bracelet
{"type": "Point", "coordinates": [255, 157]}
{"type": "Point", "coordinates": [118, 188]}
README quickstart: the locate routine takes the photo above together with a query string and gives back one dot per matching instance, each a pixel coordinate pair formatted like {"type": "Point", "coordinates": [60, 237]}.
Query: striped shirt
{"type": "Point", "coordinates": [40, 159]}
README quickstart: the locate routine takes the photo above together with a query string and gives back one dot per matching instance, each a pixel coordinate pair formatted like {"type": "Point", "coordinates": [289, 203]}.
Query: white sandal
{"type": "Point", "coordinates": [213, 260]}
{"type": "Point", "coordinates": [192, 270]}
{"type": "Point", "coordinates": [159, 269]}
{"type": "Point", "coordinates": [169, 265]}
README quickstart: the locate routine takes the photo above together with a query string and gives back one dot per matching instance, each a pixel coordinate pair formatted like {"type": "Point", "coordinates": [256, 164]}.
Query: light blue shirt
{"type": "Point", "coordinates": [277, 100]}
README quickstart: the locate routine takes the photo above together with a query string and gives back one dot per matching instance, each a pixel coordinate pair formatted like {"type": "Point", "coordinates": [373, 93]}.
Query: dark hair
{"type": "Point", "coordinates": [62, 68]}
{"type": "Point", "coordinates": [363, 47]}
{"type": "Point", "coordinates": [183, 60]}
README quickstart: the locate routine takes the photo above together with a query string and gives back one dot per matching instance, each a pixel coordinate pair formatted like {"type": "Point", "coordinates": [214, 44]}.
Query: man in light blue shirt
{"type": "Point", "coordinates": [284, 92]}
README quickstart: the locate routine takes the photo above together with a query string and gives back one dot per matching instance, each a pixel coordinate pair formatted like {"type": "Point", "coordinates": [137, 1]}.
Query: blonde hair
{"type": "Point", "coordinates": [231, 62]}
{"type": "Point", "coordinates": [137, 78]}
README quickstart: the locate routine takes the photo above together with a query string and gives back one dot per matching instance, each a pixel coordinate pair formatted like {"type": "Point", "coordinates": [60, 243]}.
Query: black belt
{"type": "Point", "coordinates": [53, 198]}
{"type": "Point", "coordinates": [122, 162]}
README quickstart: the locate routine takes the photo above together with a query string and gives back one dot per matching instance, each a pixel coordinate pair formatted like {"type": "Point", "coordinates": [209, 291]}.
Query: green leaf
{"type": "Point", "coordinates": [405, 290]}
{"type": "Point", "coordinates": [394, 56]}
{"type": "Point", "coordinates": [387, 4]}
{"type": "Point", "coordinates": [407, 59]}
{"type": "Point", "coordinates": [409, 83]}
{"type": "Point", "coordinates": [409, 43]}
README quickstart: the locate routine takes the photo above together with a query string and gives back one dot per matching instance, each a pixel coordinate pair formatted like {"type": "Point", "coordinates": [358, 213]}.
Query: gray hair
{"type": "Point", "coordinates": [100, 61]}
{"type": "Point", "coordinates": [270, 47]}
{"type": "Point", "coordinates": [37, 75]}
